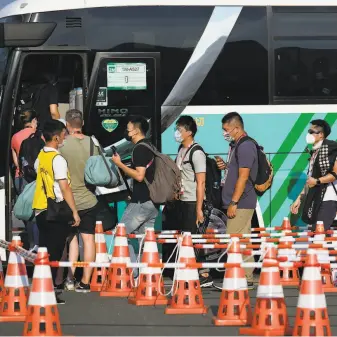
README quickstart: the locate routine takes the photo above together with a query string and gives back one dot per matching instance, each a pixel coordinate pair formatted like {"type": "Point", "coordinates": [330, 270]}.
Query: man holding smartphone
{"type": "Point", "coordinates": [141, 212]}
{"type": "Point", "coordinates": [238, 194]}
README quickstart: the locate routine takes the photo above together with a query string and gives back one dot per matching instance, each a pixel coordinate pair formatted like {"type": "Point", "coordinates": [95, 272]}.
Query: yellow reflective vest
{"type": "Point", "coordinates": [45, 179]}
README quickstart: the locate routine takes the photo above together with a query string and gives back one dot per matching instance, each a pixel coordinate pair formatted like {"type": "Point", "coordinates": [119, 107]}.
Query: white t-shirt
{"type": "Point", "coordinates": [60, 168]}
{"type": "Point", "coordinates": [189, 184]}
{"type": "Point", "coordinates": [330, 193]}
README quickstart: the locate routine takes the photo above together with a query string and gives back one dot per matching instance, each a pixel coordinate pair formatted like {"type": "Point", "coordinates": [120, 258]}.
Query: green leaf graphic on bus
{"type": "Point", "coordinates": [110, 124]}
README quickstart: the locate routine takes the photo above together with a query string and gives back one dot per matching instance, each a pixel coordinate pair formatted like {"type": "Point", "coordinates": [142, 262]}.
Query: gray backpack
{"type": "Point", "coordinates": [166, 185]}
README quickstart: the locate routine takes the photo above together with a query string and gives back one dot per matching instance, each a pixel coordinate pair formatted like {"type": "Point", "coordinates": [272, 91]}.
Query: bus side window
{"type": "Point", "coordinates": [305, 54]}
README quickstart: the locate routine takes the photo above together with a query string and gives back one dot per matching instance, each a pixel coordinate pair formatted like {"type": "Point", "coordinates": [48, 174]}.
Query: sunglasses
{"type": "Point", "coordinates": [313, 132]}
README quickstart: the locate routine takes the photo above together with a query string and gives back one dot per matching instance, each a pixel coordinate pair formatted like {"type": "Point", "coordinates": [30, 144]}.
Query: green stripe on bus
{"type": "Point", "coordinates": [301, 163]}
{"type": "Point", "coordinates": [291, 140]}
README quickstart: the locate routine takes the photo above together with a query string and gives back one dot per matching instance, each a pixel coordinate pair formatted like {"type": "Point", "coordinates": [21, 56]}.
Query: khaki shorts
{"type": "Point", "coordinates": [242, 224]}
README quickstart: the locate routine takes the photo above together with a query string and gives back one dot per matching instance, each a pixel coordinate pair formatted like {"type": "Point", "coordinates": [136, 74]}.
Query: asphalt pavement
{"type": "Point", "coordinates": [92, 315]}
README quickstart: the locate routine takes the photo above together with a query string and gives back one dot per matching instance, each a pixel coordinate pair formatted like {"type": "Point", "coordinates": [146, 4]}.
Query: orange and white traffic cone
{"type": "Point", "coordinates": [2, 280]}
{"type": "Point", "coordinates": [234, 308]}
{"type": "Point", "coordinates": [311, 314]}
{"type": "Point", "coordinates": [286, 226]}
{"type": "Point", "coordinates": [43, 316]}
{"type": "Point", "coordinates": [118, 280]}
{"type": "Point", "coordinates": [13, 307]}
{"type": "Point", "coordinates": [187, 295]}
{"type": "Point", "coordinates": [270, 316]}
{"type": "Point", "coordinates": [319, 231]}
{"type": "Point", "coordinates": [323, 258]}
{"type": "Point", "coordinates": [327, 282]}
{"type": "Point", "coordinates": [289, 275]}
{"type": "Point", "coordinates": [322, 253]}
{"type": "Point", "coordinates": [99, 274]}
{"type": "Point", "coordinates": [151, 286]}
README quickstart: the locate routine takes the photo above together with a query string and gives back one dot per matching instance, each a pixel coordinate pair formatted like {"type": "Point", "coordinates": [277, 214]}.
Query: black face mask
{"type": "Point", "coordinates": [126, 136]}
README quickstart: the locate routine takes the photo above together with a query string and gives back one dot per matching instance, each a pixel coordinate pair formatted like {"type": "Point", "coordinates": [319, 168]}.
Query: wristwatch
{"type": "Point", "coordinates": [318, 182]}
{"type": "Point", "coordinates": [233, 203]}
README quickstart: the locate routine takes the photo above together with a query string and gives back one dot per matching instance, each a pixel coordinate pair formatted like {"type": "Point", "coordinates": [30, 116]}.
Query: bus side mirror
{"type": "Point", "coordinates": [30, 34]}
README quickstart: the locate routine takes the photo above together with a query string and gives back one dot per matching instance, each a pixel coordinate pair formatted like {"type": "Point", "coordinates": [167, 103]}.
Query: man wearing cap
{"type": "Point", "coordinates": [319, 195]}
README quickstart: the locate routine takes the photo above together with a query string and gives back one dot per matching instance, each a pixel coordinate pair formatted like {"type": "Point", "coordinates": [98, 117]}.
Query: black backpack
{"type": "Point", "coordinates": [29, 151]}
{"type": "Point", "coordinates": [265, 172]}
{"type": "Point", "coordinates": [29, 96]}
{"type": "Point", "coordinates": [213, 177]}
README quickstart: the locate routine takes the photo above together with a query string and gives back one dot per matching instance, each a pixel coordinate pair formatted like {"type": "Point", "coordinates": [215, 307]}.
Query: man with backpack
{"type": "Point", "coordinates": [54, 203]}
{"type": "Point", "coordinates": [141, 211]}
{"type": "Point", "coordinates": [22, 152]}
{"type": "Point", "coordinates": [238, 193]}
{"type": "Point", "coordinates": [187, 213]}
{"type": "Point", "coordinates": [76, 151]}
{"type": "Point", "coordinates": [42, 97]}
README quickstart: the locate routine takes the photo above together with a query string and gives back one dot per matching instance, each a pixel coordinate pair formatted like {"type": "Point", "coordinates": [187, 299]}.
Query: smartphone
{"type": "Point", "coordinates": [114, 150]}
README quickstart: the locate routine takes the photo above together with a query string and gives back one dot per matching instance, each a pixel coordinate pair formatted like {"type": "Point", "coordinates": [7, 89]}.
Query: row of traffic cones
{"type": "Point", "coordinates": [150, 290]}
{"type": "Point", "coordinates": [290, 275]}
{"type": "Point", "coordinates": [270, 315]}
{"type": "Point", "coordinates": [269, 318]}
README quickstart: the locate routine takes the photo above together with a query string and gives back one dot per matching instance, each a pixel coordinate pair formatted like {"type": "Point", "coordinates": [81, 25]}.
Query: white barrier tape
{"type": "Point", "coordinates": [19, 250]}
{"type": "Point", "coordinates": [228, 236]}
{"type": "Point", "coordinates": [252, 241]}
{"type": "Point", "coordinates": [67, 264]}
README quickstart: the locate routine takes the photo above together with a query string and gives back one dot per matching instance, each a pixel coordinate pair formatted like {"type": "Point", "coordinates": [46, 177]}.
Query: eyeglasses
{"type": "Point", "coordinates": [313, 132]}
{"type": "Point", "coordinates": [179, 128]}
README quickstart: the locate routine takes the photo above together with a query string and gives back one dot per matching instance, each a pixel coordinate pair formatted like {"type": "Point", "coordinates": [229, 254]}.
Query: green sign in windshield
{"type": "Point", "coordinates": [126, 76]}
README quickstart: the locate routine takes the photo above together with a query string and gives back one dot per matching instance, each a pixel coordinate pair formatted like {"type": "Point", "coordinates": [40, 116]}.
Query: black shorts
{"type": "Point", "coordinates": [88, 221]}
{"type": "Point", "coordinates": [181, 215]}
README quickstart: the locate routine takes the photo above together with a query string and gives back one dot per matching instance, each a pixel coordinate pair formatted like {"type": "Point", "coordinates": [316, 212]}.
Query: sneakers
{"type": "Point", "coordinates": [82, 287]}
{"type": "Point", "coordinates": [69, 285]}
{"type": "Point", "coordinates": [59, 287]}
{"type": "Point", "coordinates": [217, 286]}
{"type": "Point", "coordinates": [206, 281]}
{"type": "Point", "coordinates": [58, 300]}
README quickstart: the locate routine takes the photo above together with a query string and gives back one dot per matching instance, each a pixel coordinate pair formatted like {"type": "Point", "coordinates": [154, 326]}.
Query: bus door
{"type": "Point", "coordinates": [29, 67]}
{"type": "Point", "coordinates": [122, 84]}
{"type": "Point", "coordinates": [5, 136]}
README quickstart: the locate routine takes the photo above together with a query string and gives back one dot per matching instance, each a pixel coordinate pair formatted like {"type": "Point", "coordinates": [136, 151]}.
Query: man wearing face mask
{"type": "Point", "coordinates": [187, 213]}
{"type": "Point", "coordinates": [320, 191]}
{"type": "Point", "coordinates": [238, 195]}
{"type": "Point", "coordinates": [141, 212]}
{"type": "Point", "coordinates": [52, 188]}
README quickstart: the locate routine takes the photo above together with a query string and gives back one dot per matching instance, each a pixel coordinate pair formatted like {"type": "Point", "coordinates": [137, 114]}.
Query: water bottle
{"type": "Point", "coordinates": [72, 95]}
{"type": "Point", "coordinates": [79, 99]}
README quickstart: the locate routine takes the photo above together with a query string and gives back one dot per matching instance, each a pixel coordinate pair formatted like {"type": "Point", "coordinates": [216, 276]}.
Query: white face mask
{"type": "Point", "coordinates": [177, 136]}
{"type": "Point", "coordinates": [310, 139]}
{"type": "Point", "coordinates": [227, 136]}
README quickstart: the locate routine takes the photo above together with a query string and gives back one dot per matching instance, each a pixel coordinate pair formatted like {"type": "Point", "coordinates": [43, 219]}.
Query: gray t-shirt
{"type": "Point", "coordinates": [76, 152]}
{"type": "Point", "coordinates": [247, 158]}
{"type": "Point", "coordinates": [189, 184]}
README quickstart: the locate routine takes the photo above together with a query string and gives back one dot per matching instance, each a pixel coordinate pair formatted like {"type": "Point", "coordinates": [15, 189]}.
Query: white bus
{"type": "Point", "coordinates": [273, 61]}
